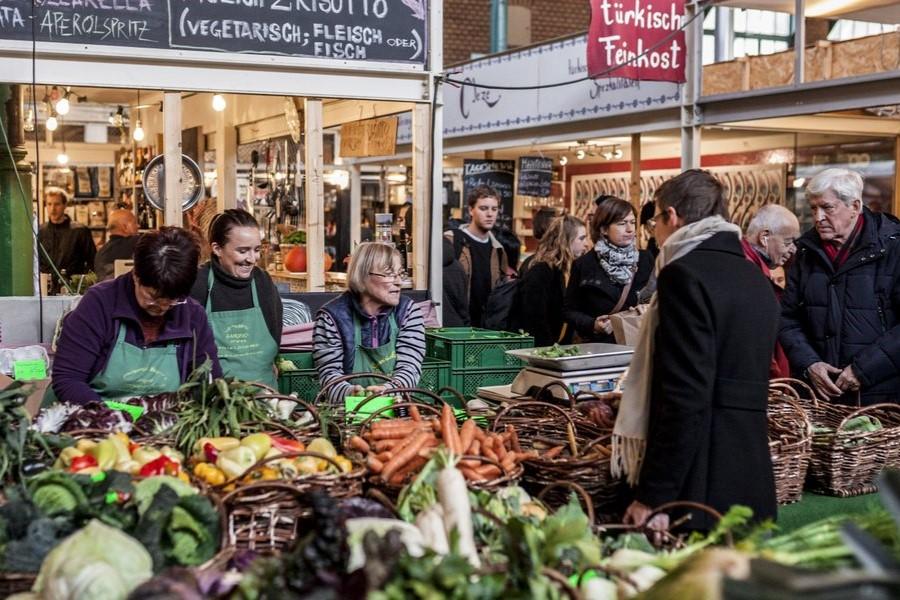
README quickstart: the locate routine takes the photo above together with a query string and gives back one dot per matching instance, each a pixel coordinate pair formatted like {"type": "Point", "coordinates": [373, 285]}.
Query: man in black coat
{"type": "Point", "coordinates": [68, 244]}
{"type": "Point", "coordinates": [122, 227]}
{"type": "Point", "coordinates": [715, 320]}
{"type": "Point", "coordinates": [839, 320]}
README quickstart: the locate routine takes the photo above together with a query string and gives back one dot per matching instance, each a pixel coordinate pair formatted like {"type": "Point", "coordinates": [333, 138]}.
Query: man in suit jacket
{"type": "Point", "coordinates": [706, 379]}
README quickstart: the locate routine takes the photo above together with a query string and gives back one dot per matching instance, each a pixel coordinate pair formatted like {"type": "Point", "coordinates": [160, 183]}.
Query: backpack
{"type": "Point", "coordinates": [499, 310]}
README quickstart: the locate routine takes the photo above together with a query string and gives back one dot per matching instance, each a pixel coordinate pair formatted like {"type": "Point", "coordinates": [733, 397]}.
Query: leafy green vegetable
{"type": "Point", "coordinates": [97, 562]}
{"type": "Point", "coordinates": [25, 555]}
{"type": "Point", "coordinates": [55, 492]}
{"type": "Point", "coordinates": [421, 492]}
{"type": "Point", "coordinates": [557, 351]}
{"type": "Point", "coordinates": [863, 423]}
{"type": "Point", "coordinates": [146, 490]}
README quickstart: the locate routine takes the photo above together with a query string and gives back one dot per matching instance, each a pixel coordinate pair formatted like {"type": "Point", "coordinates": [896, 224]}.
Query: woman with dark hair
{"type": "Point", "coordinates": [607, 280]}
{"type": "Point", "coordinates": [138, 334]}
{"type": "Point", "coordinates": [242, 303]}
{"type": "Point", "coordinates": [539, 301]}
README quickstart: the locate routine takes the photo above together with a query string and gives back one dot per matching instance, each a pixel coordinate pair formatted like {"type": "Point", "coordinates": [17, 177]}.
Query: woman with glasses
{"type": "Point", "coordinates": [370, 328]}
{"type": "Point", "coordinates": [241, 300]}
{"type": "Point", "coordinates": [606, 280]}
{"type": "Point", "coordinates": [138, 334]}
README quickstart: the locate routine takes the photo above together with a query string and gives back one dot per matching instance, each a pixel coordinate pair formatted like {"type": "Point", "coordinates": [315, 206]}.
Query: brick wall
{"type": "Point", "coordinates": [467, 24]}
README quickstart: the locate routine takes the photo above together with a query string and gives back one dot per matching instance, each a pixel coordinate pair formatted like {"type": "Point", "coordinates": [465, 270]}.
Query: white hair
{"type": "Point", "coordinates": [771, 217]}
{"type": "Point", "coordinates": [843, 183]}
{"type": "Point", "coordinates": [56, 191]}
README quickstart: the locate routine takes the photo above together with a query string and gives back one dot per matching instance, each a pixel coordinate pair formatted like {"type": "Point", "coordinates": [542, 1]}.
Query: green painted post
{"type": "Point", "coordinates": [16, 238]}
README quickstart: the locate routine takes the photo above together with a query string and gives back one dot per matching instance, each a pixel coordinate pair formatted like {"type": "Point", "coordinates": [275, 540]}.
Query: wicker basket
{"type": "Point", "coordinates": [539, 423]}
{"type": "Point", "coordinates": [16, 583]}
{"type": "Point", "coordinates": [263, 516]}
{"type": "Point", "coordinates": [846, 463]}
{"type": "Point", "coordinates": [790, 444]}
{"type": "Point", "coordinates": [799, 391]}
{"type": "Point", "coordinates": [352, 424]}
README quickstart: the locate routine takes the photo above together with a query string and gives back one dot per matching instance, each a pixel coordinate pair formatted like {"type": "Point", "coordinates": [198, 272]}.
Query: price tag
{"type": "Point", "coordinates": [134, 411]}
{"type": "Point", "coordinates": [28, 370]}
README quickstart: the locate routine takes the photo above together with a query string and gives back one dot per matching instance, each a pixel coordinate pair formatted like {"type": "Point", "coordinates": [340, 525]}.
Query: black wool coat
{"type": "Point", "coordinates": [707, 439]}
{"type": "Point", "coordinates": [591, 293]}
{"type": "Point", "coordinates": [848, 316]}
{"type": "Point", "coordinates": [539, 304]}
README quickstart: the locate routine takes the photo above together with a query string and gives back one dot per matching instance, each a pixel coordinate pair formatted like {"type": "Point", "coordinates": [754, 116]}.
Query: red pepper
{"type": "Point", "coordinates": [160, 466]}
{"type": "Point", "coordinates": [286, 445]}
{"type": "Point", "coordinates": [210, 452]}
{"type": "Point", "coordinates": [82, 462]}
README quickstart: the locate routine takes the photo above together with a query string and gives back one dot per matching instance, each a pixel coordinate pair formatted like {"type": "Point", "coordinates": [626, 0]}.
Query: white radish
{"type": "Point", "coordinates": [454, 497]}
{"type": "Point", "coordinates": [431, 523]}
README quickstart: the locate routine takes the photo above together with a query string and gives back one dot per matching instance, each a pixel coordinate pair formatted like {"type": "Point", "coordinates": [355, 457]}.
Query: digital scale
{"type": "Point", "coordinates": [596, 368]}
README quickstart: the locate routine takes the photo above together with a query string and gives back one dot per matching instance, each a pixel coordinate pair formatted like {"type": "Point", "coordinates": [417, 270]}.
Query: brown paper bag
{"type": "Point", "coordinates": [626, 324]}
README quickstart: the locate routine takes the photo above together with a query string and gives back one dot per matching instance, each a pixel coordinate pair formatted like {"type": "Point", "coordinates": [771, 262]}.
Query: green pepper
{"type": "Point", "coordinates": [236, 461]}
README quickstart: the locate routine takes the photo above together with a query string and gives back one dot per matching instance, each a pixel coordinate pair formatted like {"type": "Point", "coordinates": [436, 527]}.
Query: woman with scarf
{"type": "Point", "coordinates": [608, 279]}
{"type": "Point", "coordinates": [370, 328]}
{"type": "Point", "coordinates": [692, 420]}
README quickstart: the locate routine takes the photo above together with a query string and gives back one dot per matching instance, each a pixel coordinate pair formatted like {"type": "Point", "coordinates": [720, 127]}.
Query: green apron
{"type": "Point", "coordinates": [246, 348]}
{"type": "Point", "coordinates": [374, 360]}
{"type": "Point", "coordinates": [133, 371]}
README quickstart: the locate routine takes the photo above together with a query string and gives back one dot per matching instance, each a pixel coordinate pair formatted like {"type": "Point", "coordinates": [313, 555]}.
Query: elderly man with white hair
{"type": "Point", "coordinates": [769, 244]}
{"type": "Point", "coordinates": [839, 322]}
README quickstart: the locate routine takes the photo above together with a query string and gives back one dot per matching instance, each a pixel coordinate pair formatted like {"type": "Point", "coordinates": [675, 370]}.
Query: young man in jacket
{"type": "Point", "coordinates": [839, 319]}
{"type": "Point", "coordinates": [480, 253]}
{"type": "Point", "coordinates": [692, 423]}
{"type": "Point", "coordinates": [70, 245]}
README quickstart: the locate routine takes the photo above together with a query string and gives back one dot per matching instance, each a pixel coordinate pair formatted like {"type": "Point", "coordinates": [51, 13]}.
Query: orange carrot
{"type": "Point", "coordinates": [499, 448]}
{"type": "Point", "coordinates": [489, 471]}
{"type": "Point", "coordinates": [479, 434]}
{"type": "Point", "coordinates": [375, 465]}
{"type": "Point", "coordinates": [382, 445]}
{"type": "Point", "coordinates": [513, 438]}
{"type": "Point", "coordinates": [471, 474]}
{"type": "Point", "coordinates": [384, 456]}
{"type": "Point", "coordinates": [553, 452]}
{"type": "Point", "coordinates": [488, 451]}
{"type": "Point", "coordinates": [404, 455]}
{"type": "Point", "coordinates": [521, 456]}
{"type": "Point", "coordinates": [448, 426]}
{"type": "Point", "coordinates": [409, 468]}
{"type": "Point", "coordinates": [509, 462]}
{"type": "Point", "coordinates": [467, 435]}
{"type": "Point", "coordinates": [414, 413]}
{"type": "Point", "coordinates": [357, 443]}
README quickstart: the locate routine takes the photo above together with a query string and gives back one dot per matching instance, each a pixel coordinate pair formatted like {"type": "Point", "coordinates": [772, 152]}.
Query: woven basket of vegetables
{"type": "Point", "coordinates": [355, 416]}
{"type": "Point", "coordinates": [790, 443]}
{"type": "Point", "coordinates": [559, 449]}
{"type": "Point", "coordinates": [264, 501]}
{"type": "Point", "coordinates": [799, 391]}
{"type": "Point", "coordinates": [396, 449]}
{"type": "Point", "coordinates": [850, 447]}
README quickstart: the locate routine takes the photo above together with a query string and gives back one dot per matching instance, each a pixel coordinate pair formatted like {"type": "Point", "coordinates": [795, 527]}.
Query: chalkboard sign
{"type": "Point", "coordinates": [362, 30]}
{"type": "Point", "coordinates": [498, 174]}
{"type": "Point", "coordinates": [535, 176]}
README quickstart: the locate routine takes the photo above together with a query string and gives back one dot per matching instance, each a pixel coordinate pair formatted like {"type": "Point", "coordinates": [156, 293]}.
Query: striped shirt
{"type": "Point", "coordinates": [328, 352]}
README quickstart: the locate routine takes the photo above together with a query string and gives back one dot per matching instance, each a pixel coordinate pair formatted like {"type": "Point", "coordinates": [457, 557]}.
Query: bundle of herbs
{"type": "Point", "coordinates": [23, 451]}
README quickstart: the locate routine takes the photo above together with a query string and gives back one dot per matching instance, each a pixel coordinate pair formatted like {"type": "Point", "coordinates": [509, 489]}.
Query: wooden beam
{"type": "Point", "coordinates": [355, 206]}
{"type": "Point", "coordinates": [896, 204]}
{"type": "Point", "coordinates": [172, 149]}
{"type": "Point", "coordinates": [421, 155]}
{"type": "Point", "coordinates": [315, 197]}
{"type": "Point", "coordinates": [338, 112]}
{"type": "Point", "coordinates": [634, 188]}
{"type": "Point", "coordinates": [226, 158]}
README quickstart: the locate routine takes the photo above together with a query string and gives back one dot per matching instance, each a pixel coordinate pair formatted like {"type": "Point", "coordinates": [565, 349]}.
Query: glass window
{"type": "Point", "coordinates": [766, 46]}
{"type": "Point", "coordinates": [782, 24]}
{"type": "Point", "coordinates": [739, 47]}
{"type": "Point", "coordinates": [709, 49]}
{"type": "Point", "coordinates": [740, 19]}
{"type": "Point", "coordinates": [709, 22]}
{"type": "Point", "coordinates": [753, 21]}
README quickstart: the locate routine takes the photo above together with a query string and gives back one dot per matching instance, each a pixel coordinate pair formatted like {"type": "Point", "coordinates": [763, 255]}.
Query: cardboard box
{"type": "Point", "coordinates": [33, 402]}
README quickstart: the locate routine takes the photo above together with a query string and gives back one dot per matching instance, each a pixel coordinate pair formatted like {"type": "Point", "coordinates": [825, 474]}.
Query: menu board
{"type": "Point", "coordinates": [535, 176]}
{"type": "Point", "coordinates": [356, 30]}
{"type": "Point", "coordinates": [497, 174]}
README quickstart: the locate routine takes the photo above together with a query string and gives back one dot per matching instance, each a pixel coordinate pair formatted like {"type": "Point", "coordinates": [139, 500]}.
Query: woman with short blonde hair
{"type": "Point", "coordinates": [370, 328]}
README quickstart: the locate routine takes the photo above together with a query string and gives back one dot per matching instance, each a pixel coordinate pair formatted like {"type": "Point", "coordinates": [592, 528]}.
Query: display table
{"type": "Point", "coordinates": [813, 507]}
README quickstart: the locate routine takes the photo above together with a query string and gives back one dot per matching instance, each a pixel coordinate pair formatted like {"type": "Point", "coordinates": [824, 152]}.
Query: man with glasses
{"type": "Point", "coordinates": [769, 244]}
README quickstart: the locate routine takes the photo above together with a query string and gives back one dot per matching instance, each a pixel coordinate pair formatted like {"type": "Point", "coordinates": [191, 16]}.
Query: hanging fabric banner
{"type": "Point", "coordinates": [637, 39]}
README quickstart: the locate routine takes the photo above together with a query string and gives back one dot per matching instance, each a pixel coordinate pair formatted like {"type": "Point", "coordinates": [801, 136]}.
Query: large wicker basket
{"type": "Point", "coordinates": [846, 463]}
{"type": "Point", "coordinates": [264, 516]}
{"type": "Point", "coordinates": [542, 424]}
{"type": "Point", "coordinates": [790, 443]}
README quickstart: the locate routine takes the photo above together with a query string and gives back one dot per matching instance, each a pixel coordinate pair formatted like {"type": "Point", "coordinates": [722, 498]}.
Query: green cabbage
{"type": "Point", "coordinates": [97, 562]}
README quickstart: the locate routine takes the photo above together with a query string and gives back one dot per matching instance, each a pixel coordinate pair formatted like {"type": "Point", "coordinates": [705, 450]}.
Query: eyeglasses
{"type": "Point", "coordinates": [397, 275]}
{"type": "Point", "coordinates": [166, 303]}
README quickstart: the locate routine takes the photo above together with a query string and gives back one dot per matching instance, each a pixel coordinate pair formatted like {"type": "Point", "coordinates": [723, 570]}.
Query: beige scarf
{"type": "Point", "coordinates": [629, 440]}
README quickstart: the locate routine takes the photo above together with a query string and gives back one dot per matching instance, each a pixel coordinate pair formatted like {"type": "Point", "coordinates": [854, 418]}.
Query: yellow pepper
{"type": "Point", "coordinates": [344, 463]}
{"type": "Point", "coordinates": [209, 473]}
{"type": "Point", "coordinates": [121, 443]}
{"type": "Point", "coordinates": [262, 474]}
{"type": "Point", "coordinates": [183, 476]}
{"type": "Point", "coordinates": [145, 454]}
{"type": "Point", "coordinates": [85, 444]}
{"type": "Point", "coordinates": [236, 461]}
{"type": "Point", "coordinates": [260, 443]}
{"type": "Point", "coordinates": [173, 454]}
{"type": "Point", "coordinates": [219, 443]}
{"type": "Point", "coordinates": [106, 454]}
{"type": "Point", "coordinates": [66, 456]}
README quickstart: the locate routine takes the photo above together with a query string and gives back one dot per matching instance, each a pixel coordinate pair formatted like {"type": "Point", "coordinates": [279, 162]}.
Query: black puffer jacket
{"type": "Point", "coordinates": [848, 316]}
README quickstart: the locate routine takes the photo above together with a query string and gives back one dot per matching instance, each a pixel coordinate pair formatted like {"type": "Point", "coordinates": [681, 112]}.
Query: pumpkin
{"type": "Point", "coordinates": [295, 261]}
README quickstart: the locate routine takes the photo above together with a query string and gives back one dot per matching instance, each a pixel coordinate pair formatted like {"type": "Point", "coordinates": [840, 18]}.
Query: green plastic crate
{"type": "Point", "coordinates": [467, 382]}
{"type": "Point", "coordinates": [435, 374]}
{"type": "Point", "coordinates": [472, 348]}
{"type": "Point", "coordinates": [304, 381]}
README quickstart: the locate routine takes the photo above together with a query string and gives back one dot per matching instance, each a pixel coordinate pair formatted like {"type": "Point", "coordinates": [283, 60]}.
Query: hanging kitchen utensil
{"type": "Point", "coordinates": [154, 182]}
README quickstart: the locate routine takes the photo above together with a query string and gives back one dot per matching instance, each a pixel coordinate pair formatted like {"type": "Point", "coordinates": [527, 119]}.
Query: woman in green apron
{"type": "Point", "coordinates": [241, 301]}
{"type": "Point", "coordinates": [138, 334]}
{"type": "Point", "coordinates": [370, 328]}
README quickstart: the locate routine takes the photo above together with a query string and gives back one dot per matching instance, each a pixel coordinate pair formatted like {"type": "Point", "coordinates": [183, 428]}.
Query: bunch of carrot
{"type": "Point", "coordinates": [396, 449]}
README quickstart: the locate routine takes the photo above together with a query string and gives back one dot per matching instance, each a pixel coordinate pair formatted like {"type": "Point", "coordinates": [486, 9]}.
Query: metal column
{"type": "Point", "coordinates": [315, 197]}
{"type": "Point", "coordinates": [799, 41]}
{"type": "Point", "coordinates": [226, 158]}
{"type": "Point", "coordinates": [16, 237]}
{"type": "Point", "coordinates": [690, 110]}
{"type": "Point", "coordinates": [172, 216]}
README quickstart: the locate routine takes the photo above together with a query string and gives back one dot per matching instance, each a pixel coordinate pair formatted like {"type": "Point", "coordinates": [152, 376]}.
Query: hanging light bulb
{"type": "Point", "coordinates": [563, 160]}
{"type": "Point", "coordinates": [617, 153]}
{"type": "Point", "coordinates": [580, 154]}
{"type": "Point", "coordinates": [62, 158]}
{"type": "Point", "coordinates": [218, 102]}
{"type": "Point", "coordinates": [52, 124]}
{"type": "Point", "coordinates": [63, 106]}
{"type": "Point", "coordinates": [138, 133]}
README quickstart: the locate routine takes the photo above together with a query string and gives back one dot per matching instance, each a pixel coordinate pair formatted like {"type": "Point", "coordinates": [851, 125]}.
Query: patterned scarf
{"type": "Point", "coordinates": [619, 262]}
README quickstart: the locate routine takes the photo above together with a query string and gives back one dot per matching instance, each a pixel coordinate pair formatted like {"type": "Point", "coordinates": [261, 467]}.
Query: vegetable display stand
{"type": "Point", "coordinates": [790, 442]}
{"type": "Point", "coordinates": [563, 450]}
{"type": "Point", "coordinates": [263, 516]}
{"type": "Point", "coordinates": [435, 374]}
{"type": "Point", "coordinates": [472, 348]}
{"type": "Point", "coordinates": [851, 446]}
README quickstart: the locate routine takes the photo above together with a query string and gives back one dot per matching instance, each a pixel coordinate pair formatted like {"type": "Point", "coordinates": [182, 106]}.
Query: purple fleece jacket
{"type": "Point", "coordinates": [89, 333]}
